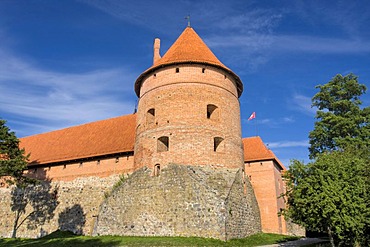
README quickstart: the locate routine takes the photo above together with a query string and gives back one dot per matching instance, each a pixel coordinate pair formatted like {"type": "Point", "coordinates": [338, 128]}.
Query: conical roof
{"type": "Point", "coordinates": [188, 48]}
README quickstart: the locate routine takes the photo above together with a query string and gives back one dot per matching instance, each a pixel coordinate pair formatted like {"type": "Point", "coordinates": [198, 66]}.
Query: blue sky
{"type": "Point", "coordinates": [64, 63]}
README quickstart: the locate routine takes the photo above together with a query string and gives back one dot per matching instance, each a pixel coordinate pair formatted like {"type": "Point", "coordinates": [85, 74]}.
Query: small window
{"type": "Point", "coordinates": [163, 144]}
{"type": "Point", "coordinates": [155, 75]}
{"type": "Point", "coordinates": [177, 70]}
{"type": "Point", "coordinates": [212, 112]}
{"type": "Point", "coordinates": [217, 144]}
{"type": "Point", "coordinates": [117, 159]}
{"type": "Point", "coordinates": [203, 69]}
{"type": "Point", "coordinates": [150, 117]}
{"type": "Point", "coordinates": [64, 166]}
{"type": "Point", "coordinates": [157, 170]}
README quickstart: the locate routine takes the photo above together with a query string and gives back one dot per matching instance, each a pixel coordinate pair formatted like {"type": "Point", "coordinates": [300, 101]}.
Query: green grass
{"type": "Point", "coordinates": [66, 239]}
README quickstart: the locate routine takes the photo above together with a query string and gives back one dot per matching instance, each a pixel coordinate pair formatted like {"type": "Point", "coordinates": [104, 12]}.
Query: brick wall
{"type": "Point", "coordinates": [100, 167]}
{"type": "Point", "coordinates": [181, 102]}
{"type": "Point", "coordinates": [268, 185]}
{"type": "Point", "coordinates": [264, 180]}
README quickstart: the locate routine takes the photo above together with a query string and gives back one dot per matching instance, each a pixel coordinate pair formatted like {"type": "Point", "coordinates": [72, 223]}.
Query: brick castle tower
{"type": "Point", "coordinates": [188, 156]}
{"type": "Point", "coordinates": [188, 111]}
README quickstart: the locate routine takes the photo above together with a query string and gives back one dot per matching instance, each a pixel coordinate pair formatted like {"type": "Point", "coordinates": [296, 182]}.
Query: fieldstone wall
{"type": "Point", "coordinates": [241, 207]}
{"type": "Point", "coordinates": [181, 201]}
{"type": "Point", "coordinates": [62, 205]}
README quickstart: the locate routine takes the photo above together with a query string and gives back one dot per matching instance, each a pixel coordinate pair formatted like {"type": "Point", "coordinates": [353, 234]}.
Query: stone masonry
{"type": "Point", "coordinates": [181, 201]}
{"type": "Point", "coordinates": [77, 206]}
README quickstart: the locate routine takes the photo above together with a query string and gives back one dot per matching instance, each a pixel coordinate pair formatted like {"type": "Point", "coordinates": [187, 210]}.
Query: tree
{"type": "Point", "coordinates": [331, 194]}
{"type": "Point", "coordinates": [13, 162]}
{"type": "Point", "coordinates": [340, 120]}
{"type": "Point", "coordinates": [32, 202]}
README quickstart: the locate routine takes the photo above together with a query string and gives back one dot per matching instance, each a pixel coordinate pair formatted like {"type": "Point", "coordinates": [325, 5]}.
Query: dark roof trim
{"type": "Point", "coordinates": [35, 164]}
{"type": "Point", "coordinates": [140, 79]}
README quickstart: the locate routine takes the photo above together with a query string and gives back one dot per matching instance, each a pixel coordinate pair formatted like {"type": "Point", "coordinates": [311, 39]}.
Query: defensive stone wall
{"type": "Point", "coordinates": [71, 205]}
{"type": "Point", "coordinates": [242, 207]}
{"type": "Point", "coordinates": [181, 201]}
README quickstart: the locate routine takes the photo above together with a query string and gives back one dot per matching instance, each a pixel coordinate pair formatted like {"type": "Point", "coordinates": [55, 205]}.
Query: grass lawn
{"type": "Point", "coordinates": [66, 239]}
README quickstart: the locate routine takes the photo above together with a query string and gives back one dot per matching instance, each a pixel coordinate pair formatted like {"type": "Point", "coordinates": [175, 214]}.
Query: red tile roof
{"type": "Point", "coordinates": [104, 137]}
{"type": "Point", "coordinates": [110, 136]}
{"type": "Point", "coordinates": [188, 48]}
{"type": "Point", "coordinates": [255, 150]}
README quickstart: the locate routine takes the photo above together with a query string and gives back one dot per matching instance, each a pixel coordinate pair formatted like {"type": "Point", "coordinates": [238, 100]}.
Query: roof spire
{"type": "Point", "coordinates": [188, 18]}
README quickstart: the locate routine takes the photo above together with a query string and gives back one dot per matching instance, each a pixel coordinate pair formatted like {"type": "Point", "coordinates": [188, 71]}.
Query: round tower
{"type": "Point", "coordinates": [188, 110]}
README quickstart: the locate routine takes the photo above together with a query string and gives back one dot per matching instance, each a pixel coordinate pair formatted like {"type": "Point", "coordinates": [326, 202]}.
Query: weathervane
{"type": "Point", "coordinates": [188, 18]}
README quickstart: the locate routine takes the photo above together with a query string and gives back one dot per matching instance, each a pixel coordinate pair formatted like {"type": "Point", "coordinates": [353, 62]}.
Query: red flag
{"type": "Point", "coordinates": [253, 115]}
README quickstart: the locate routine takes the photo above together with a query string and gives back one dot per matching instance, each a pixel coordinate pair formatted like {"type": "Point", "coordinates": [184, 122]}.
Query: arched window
{"type": "Point", "coordinates": [157, 170]}
{"type": "Point", "coordinates": [218, 145]}
{"type": "Point", "coordinates": [150, 117]}
{"type": "Point", "coordinates": [213, 112]}
{"type": "Point", "coordinates": [163, 144]}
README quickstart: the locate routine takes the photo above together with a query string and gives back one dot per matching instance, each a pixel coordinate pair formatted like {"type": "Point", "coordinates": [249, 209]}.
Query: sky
{"type": "Point", "coordinates": [70, 62]}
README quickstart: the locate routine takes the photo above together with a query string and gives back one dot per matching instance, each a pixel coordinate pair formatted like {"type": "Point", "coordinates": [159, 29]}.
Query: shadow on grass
{"type": "Point", "coordinates": [61, 239]}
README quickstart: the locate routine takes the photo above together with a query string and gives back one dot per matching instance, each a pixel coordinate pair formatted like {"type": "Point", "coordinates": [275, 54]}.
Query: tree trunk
{"type": "Point", "coordinates": [14, 233]}
{"type": "Point", "coordinates": [331, 237]}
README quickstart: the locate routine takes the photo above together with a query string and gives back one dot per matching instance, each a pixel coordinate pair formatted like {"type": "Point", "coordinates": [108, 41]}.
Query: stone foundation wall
{"type": "Point", "coordinates": [242, 207]}
{"type": "Point", "coordinates": [62, 205]}
{"type": "Point", "coordinates": [181, 201]}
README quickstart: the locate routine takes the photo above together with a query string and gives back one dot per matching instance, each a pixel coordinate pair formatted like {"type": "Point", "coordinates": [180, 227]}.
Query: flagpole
{"type": "Point", "coordinates": [255, 124]}
{"type": "Point", "coordinates": [253, 116]}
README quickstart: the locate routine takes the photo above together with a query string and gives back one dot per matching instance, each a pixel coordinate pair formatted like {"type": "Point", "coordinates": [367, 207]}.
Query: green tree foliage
{"type": "Point", "coordinates": [13, 162]}
{"type": "Point", "coordinates": [331, 194]}
{"type": "Point", "coordinates": [340, 120]}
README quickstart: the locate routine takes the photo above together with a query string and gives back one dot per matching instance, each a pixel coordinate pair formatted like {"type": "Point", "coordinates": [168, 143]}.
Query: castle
{"type": "Point", "coordinates": [183, 168]}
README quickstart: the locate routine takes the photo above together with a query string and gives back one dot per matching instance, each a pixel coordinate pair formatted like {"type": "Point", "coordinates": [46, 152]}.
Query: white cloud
{"type": "Point", "coordinates": [302, 104]}
{"type": "Point", "coordinates": [342, 14]}
{"type": "Point", "coordinates": [51, 100]}
{"type": "Point", "coordinates": [250, 22]}
{"type": "Point", "coordinates": [288, 144]}
{"type": "Point", "coordinates": [272, 123]}
{"type": "Point", "coordinates": [297, 43]}
{"type": "Point", "coordinates": [290, 43]}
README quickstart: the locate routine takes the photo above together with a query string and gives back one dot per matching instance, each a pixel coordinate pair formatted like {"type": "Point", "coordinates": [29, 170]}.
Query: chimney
{"type": "Point", "coordinates": [157, 46]}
